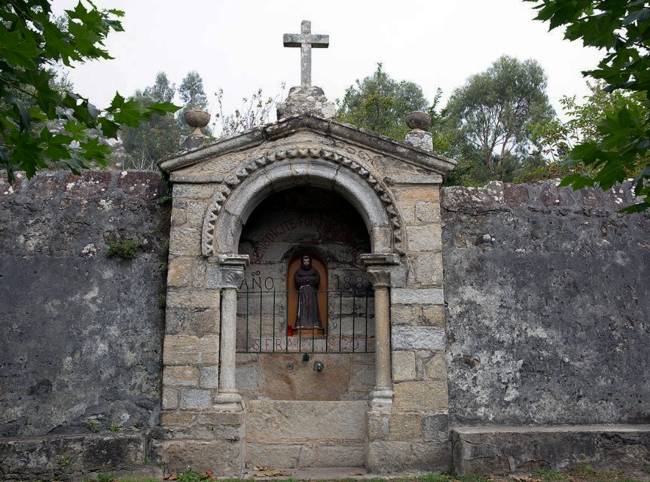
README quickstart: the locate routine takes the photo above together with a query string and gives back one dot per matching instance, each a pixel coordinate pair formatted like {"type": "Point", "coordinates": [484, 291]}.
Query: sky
{"type": "Point", "coordinates": [236, 45]}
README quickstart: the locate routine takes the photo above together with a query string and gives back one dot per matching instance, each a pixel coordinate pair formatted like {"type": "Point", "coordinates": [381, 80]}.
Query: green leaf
{"type": "Point", "coordinates": [577, 181]}
{"type": "Point", "coordinates": [636, 208]}
{"type": "Point", "coordinates": [93, 149]}
{"type": "Point", "coordinates": [162, 107]}
{"type": "Point", "coordinates": [116, 103]}
{"type": "Point", "coordinates": [109, 128]}
{"type": "Point", "coordinates": [130, 113]}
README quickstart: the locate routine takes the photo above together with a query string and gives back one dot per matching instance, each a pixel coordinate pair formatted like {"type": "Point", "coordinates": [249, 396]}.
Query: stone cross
{"type": "Point", "coordinates": [305, 40]}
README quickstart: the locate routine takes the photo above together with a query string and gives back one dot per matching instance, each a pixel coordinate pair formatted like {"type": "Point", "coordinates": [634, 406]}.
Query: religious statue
{"type": "Point", "coordinates": [307, 281]}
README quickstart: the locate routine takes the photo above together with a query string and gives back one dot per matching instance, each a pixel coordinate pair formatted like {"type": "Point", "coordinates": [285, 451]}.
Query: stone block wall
{"type": "Point", "coordinates": [191, 342]}
{"type": "Point", "coordinates": [194, 433]}
{"type": "Point", "coordinates": [414, 434]}
{"type": "Point", "coordinates": [82, 331]}
{"type": "Point", "coordinates": [547, 305]}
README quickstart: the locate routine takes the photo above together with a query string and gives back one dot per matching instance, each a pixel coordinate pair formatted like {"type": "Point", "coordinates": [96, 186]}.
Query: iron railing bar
{"type": "Point", "coordinates": [354, 316]}
{"type": "Point", "coordinates": [261, 311]}
{"type": "Point", "coordinates": [247, 310]}
{"type": "Point", "coordinates": [366, 330]}
{"type": "Point", "coordinates": [340, 319]}
{"type": "Point", "coordinates": [273, 335]}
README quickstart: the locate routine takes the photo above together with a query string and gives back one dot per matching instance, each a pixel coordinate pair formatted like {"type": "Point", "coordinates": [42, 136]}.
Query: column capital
{"type": "Point", "coordinates": [379, 267]}
{"type": "Point", "coordinates": [380, 259]}
{"type": "Point", "coordinates": [231, 267]}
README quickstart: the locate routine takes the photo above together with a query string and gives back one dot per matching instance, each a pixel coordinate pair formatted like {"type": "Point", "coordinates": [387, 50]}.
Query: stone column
{"type": "Point", "coordinates": [232, 274]}
{"type": "Point", "coordinates": [379, 268]}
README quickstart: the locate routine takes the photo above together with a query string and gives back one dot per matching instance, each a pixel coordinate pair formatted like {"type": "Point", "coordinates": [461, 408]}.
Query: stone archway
{"type": "Point", "coordinates": [241, 192]}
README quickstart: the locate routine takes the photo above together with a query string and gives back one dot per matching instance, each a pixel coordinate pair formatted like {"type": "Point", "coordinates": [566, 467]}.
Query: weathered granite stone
{"type": "Point", "coordinates": [220, 456]}
{"type": "Point", "coordinates": [425, 296]}
{"type": "Point", "coordinates": [417, 314]}
{"type": "Point", "coordinates": [403, 366]}
{"type": "Point", "coordinates": [82, 331]}
{"type": "Point", "coordinates": [209, 376]}
{"type": "Point", "coordinates": [195, 398]}
{"type": "Point", "coordinates": [272, 421]}
{"type": "Point", "coordinates": [69, 457]}
{"type": "Point", "coordinates": [190, 350]}
{"type": "Point", "coordinates": [401, 456]}
{"type": "Point", "coordinates": [418, 120]}
{"type": "Point", "coordinates": [202, 425]}
{"type": "Point", "coordinates": [406, 426]}
{"type": "Point", "coordinates": [306, 100]}
{"type": "Point", "coordinates": [424, 238]}
{"type": "Point", "coordinates": [504, 449]}
{"type": "Point", "coordinates": [435, 428]}
{"type": "Point", "coordinates": [546, 323]}
{"type": "Point", "coordinates": [405, 337]}
{"type": "Point", "coordinates": [428, 395]}
{"type": "Point", "coordinates": [340, 455]}
{"type": "Point", "coordinates": [420, 140]}
{"type": "Point", "coordinates": [279, 455]}
{"type": "Point", "coordinates": [185, 376]}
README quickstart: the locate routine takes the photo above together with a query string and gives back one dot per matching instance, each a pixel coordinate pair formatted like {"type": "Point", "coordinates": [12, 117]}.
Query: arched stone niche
{"type": "Point", "coordinates": [243, 191]}
{"type": "Point", "coordinates": [239, 195]}
{"type": "Point", "coordinates": [212, 202]}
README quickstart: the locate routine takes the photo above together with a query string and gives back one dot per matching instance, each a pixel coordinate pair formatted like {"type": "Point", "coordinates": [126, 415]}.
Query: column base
{"type": "Point", "coordinates": [228, 402]}
{"type": "Point", "coordinates": [381, 400]}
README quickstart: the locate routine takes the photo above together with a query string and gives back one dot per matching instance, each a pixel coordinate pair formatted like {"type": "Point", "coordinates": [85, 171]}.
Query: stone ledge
{"type": "Point", "coordinates": [542, 195]}
{"type": "Point", "coordinates": [66, 457]}
{"type": "Point", "coordinates": [509, 449]}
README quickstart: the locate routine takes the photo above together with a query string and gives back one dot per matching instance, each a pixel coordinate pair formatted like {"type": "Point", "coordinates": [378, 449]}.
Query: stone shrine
{"type": "Point", "coordinates": [489, 330]}
{"type": "Point", "coordinates": [354, 381]}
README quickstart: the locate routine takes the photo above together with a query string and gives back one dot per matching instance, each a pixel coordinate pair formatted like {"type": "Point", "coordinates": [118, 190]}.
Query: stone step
{"type": "Point", "coordinates": [300, 434]}
{"type": "Point", "coordinates": [509, 449]}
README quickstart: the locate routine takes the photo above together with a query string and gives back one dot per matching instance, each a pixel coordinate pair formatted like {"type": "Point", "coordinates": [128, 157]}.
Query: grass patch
{"type": "Point", "coordinates": [549, 475]}
{"type": "Point", "coordinates": [92, 425]}
{"type": "Point", "coordinates": [123, 248]}
{"type": "Point", "coordinates": [588, 473]}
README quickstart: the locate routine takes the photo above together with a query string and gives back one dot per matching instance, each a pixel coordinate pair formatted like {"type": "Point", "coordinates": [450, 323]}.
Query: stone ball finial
{"type": "Point", "coordinates": [197, 119]}
{"type": "Point", "coordinates": [418, 120]}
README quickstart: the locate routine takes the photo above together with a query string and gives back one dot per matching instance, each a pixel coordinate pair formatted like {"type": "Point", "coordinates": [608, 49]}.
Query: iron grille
{"type": "Point", "coordinates": [262, 324]}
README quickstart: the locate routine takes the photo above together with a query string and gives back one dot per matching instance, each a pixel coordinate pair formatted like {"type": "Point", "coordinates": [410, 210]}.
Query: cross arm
{"type": "Point", "coordinates": [315, 40]}
{"type": "Point", "coordinates": [292, 40]}
{"type": "Point", "coordinates": [318, 41]}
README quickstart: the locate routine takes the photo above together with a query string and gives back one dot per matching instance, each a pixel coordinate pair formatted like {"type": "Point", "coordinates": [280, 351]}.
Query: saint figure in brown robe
{"type": "Point", "coordinates": [307, 280]}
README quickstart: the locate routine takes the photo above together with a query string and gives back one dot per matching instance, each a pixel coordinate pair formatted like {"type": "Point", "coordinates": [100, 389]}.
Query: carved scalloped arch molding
{"type": "Point", "coordinates": [233, 180]}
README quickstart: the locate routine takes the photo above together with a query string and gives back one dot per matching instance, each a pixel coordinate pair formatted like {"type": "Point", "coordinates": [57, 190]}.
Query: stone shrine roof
{"type": "Point", "coordinates": [309, 122]}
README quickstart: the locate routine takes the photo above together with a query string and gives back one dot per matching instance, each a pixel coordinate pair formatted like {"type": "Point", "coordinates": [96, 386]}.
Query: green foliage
{"type": "Point", "coordinates": [123, 248]}
{"type": "Point", "coordinates": [115, 427]}
{"type": "Point", "coordinates": [105, 478]}
{"type": "Point", "coordinates": [380, 103]}
{"type": "Point", "coordinates": [191, 91]}
{"type": "Point", "coordinates": [63, 461]}
{"type": "Point", "coordinates": [156, 137]}
{"type": "Point", "coordinates": [488, 124]}
{"type": "Point", "coordinates": [92, 425]}
{"type": "Point", "coordinates": [255, 110]}
{"type": "Point", "coordinates": [43, 124]}
{"type": "Point", "coordinates": [191, 476]}
{"type": "Point", "coordinates": [549, 475]}
{"type": "Point", "coordinates": [621, 29]}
